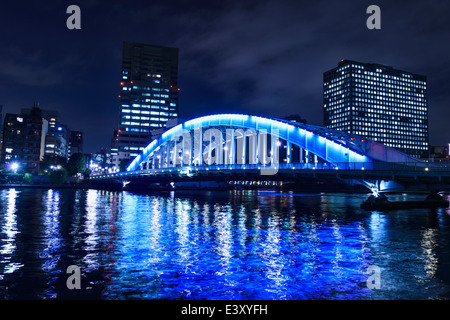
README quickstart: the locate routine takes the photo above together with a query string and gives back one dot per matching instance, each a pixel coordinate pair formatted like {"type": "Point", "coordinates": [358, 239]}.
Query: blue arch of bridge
{"type": "Point", "coordinates": [315, 143]}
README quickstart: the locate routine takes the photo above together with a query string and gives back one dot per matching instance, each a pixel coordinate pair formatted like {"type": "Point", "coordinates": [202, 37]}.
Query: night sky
{"type": "Point", "coordinates": [257, 57]}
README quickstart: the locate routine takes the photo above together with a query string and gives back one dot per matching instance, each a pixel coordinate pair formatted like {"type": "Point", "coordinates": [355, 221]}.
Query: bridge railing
{"type": "Point", "coordinates": [379, 166]}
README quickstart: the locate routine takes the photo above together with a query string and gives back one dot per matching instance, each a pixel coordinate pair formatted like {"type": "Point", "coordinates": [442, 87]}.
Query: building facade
{"type": "Point", "coordinates": [148, 95]}
{"type": "Point", "coordinates": [439, 153]}
{"type": "Point", "coordinates": [57, 139]}
{"type": "Point", "coordinates": [55, 146]}
{"type": "Point", "coordinates": [379, 103]}
{"type": "Point", "coordinates": [75, 143]}
{"type": "Point", "coordinates": [50, 115]}
{"type": "Point", "coordinates": [24, 140]}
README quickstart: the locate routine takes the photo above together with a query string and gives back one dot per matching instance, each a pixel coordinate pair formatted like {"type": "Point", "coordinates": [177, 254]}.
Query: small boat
{"type": "Point", "coordinates": [433, 200]}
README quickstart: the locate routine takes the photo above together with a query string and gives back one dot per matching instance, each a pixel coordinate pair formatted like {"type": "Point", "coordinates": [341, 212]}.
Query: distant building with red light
{"type": "Point", "coordinates": [148, 95]}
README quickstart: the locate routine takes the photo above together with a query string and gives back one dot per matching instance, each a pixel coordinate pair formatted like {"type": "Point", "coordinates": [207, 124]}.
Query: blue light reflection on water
{"type": "Point", "coordinates": [229, 251]}
{"type": "Point", "coordinates": [219, 245]}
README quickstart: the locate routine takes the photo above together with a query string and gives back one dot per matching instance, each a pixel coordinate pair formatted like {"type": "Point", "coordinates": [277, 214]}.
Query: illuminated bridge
{"type": "Point", "coordinates": [244, 150]}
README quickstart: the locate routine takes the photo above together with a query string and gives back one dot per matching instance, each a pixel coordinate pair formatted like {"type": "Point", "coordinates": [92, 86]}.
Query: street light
{"type": "Point", "coordinates": [14, 166]}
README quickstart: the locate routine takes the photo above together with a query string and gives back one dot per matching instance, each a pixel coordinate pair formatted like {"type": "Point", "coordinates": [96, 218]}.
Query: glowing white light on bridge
{"type": "Point", "coordinates": [14, 166]}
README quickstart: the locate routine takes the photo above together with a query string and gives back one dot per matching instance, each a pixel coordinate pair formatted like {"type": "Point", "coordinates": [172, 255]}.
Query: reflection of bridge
{"type": "Point", "coordinates": [232, 147]}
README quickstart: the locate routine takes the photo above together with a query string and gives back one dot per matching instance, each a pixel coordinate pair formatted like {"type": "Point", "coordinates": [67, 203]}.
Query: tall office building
{"type": "Point", "coordinates": [148, 95]}
{"type": "Point", "coordinates": [379, 103]}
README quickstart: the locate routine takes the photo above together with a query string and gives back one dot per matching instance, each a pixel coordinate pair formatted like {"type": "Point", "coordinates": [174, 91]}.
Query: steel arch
{"type": "Point", "coordinates": [331, 145]}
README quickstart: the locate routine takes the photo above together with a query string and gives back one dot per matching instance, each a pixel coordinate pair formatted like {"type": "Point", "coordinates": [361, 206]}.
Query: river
{"type": "Point", "coordinates": [230, 245]}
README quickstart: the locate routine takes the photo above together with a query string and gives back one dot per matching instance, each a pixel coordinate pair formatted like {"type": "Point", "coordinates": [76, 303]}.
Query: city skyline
{"type": "Point", "coordinates": [264, 58]}
{"type": "Point", "coordinates": [221, 156]}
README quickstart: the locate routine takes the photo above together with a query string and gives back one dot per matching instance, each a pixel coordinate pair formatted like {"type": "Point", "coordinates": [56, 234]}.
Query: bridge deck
{"type": "Point", "coordinates": [420, 172]}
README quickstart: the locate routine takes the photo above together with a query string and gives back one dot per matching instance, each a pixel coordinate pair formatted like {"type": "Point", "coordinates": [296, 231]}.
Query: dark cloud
{"type": "Point", "coordinates": [260, 57]}
{"type": "Point", "coordinates": [270, 59]}
{"type": "Point", "coordinates": [35, 70]}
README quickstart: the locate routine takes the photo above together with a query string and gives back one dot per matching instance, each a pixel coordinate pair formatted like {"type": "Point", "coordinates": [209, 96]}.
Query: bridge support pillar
{"type": "Point", "coordinates": [158, 158]}
{"type": "Point", "coordinates": [191, 153]}
{"type": "Point", "coordinates": [167, 155]}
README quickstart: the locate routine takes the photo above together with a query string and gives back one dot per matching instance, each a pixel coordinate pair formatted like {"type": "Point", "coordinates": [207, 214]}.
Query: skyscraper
{"type": "Point", "coordinates": [148, 95]}
{"type": "Point", "coordinates": [379, 103]}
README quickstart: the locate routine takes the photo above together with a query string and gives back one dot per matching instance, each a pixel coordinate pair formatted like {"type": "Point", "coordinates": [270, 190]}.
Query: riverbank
{"type": "Point", "coordinates": [59, 186]}
{"type": "Point", "coordinates": [50, 186]}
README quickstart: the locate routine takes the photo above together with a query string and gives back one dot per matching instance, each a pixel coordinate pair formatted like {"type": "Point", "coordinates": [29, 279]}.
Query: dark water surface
{"type": "Point", "coordinates": [218, 245]}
